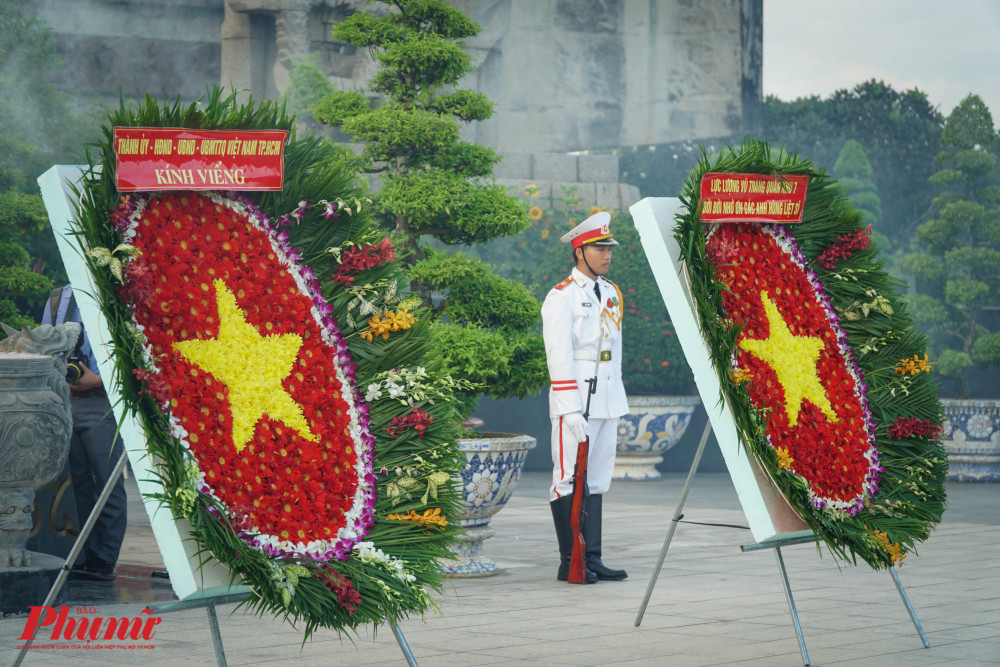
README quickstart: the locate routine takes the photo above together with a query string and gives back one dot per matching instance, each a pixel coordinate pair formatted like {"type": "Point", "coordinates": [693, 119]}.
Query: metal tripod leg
{"type": "Point", "coordinates": [909, 607]}
{"type": "Point", "coordinates": [213, 624]}
{"type": "Point", "coordinates": [78, 546]}
{"type": "Point", "coordinates": [209, 603]}
{"type": "Point", "coordinates": [673, 523]}
{"type": "Point", "coordinates": [791, 606]}
{"type": "Point", "coordinates": [403, 646]}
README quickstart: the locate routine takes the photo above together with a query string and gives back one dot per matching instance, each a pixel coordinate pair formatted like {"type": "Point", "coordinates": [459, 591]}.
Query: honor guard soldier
{"type": "Point", "coordinates": [581, 326]}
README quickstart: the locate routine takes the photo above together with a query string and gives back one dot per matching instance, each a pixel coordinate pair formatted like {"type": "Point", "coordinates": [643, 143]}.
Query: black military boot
{"type": "Point", "coordinates": [562, 512]}
{"type": "Point", "coordinates": [592, 536]}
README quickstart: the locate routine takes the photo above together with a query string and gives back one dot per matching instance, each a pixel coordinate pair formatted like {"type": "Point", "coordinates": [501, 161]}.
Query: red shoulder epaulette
{"type": "Point", "coordinates": [564, 283]}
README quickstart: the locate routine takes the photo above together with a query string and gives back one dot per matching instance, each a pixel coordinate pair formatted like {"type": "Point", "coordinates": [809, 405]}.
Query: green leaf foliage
{"type": "Point", "coordinates": [414, 17]}
{"type": "Point", "coordinates": [465, 105]}
{"type": "Point", "coordinates": [929, 270]}
{"type": "Point", "coordinates": [414, 69]}
{"type": "Point", "coordinates": [852, 162]}
{"type": "Point", "coordinates": [475, 289]}
{"type": "Point", "coordinates": [16, 281]}
{"type": "Point", "coordinates": [986, 350]}
{"type": "Point", "coordinates": [954, 363]}
{"type": "Point", "coordinates": [452, 208]}
{"type": "Point", "coordinates": [394, 131]}
{"type": "Point", "coordinates": [503, 361]}
{"type": "Point", "coordinates": [338, 106]}
{"type": "Point", "coordinates": [13, 317]}
{"type": "Point", "coordinates": [970, 126]}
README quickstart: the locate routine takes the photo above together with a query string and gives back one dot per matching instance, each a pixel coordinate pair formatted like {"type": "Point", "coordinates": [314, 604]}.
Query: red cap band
{"type": "Point", "coordinates": [589, 237]}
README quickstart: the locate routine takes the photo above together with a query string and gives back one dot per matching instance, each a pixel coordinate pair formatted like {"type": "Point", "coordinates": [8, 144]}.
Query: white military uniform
{"type": "Point", "coordinates": [578, 328]}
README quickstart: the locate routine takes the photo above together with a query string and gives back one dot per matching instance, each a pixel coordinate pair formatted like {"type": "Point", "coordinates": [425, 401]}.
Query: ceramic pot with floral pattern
{"type": "Point", "coordinates": [488, 479]}
{"type": "Point", "coordinates": [971, 438]}
{"type": "Point", "coordinates": [653, 425]}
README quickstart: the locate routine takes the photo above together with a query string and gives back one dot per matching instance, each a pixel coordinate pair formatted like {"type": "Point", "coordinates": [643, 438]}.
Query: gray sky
{"type": "Point", "coordinates": [945, 48]}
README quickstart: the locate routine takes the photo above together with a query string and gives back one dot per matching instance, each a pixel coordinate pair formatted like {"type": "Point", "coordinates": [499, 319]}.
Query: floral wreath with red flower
{"type": "Point", "coordinates": [251, 333]}
{"type": "Point", "coordinates": [820, 362]}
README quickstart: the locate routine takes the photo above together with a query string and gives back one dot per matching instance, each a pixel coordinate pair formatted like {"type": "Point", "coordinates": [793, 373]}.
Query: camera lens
{"type": "Point", "coordinates": [73, 372]}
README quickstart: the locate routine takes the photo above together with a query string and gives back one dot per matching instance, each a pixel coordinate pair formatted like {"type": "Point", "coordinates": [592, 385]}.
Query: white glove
{"type": "Point", "coordinates": [576, 424]}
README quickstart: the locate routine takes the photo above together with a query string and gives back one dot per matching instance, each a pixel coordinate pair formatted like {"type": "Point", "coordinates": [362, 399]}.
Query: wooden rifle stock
{"type": "Point", "coordinates": [578, 557]}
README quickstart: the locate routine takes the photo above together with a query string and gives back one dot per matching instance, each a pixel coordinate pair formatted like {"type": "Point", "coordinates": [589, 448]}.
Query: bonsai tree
{"type": "Point", "coordinates": [20, 283]}
{"type": "Point", "coordinates": [308, 86]}
{"type": "Point", "coordinates": [854, 173]}
{"type": "Point", "coordinates": [437, 190]}
{"type": "Point", "coordinates": [38, 128]}
{"type": "Point", "coordinates": [956, 258]}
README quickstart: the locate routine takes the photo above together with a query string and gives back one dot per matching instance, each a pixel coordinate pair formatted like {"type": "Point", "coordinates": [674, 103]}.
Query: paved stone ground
{"type": "Point", "coordinates": [712, 605]}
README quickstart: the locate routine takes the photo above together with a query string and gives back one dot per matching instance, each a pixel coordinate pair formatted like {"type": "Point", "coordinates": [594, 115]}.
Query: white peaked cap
{"type": "Point", "coordinates": [592, 231]}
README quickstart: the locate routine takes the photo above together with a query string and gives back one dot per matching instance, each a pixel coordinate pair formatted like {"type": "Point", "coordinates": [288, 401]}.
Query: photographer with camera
{"type": "Point", "coordinates": [94, 449]}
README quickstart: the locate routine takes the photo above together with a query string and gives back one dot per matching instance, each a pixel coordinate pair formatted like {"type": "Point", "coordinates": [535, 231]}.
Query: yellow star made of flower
{"type": "Point", "coordinates": [793, 359]}
{"type": "Point", "coordinates": [251, 366]}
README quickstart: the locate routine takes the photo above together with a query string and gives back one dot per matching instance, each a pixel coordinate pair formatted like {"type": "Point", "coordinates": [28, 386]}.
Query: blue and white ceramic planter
{"type": "Point", "coordinates": [971, 438]}
{"type": "Point", "coordinates": [488, 479]}
{"type": "Point", "coordinates": [654, 425]}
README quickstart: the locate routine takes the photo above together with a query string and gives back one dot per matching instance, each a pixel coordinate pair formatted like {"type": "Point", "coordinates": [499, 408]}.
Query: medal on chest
{"type": "Point", "coordinates": [611, 311]}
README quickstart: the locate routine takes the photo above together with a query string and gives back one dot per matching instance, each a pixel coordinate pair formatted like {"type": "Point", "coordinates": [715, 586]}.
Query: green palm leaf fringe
{"type": "Point", "coordinates": [911, 496]}
{"type": "Point", "coordinates": [314, 170]}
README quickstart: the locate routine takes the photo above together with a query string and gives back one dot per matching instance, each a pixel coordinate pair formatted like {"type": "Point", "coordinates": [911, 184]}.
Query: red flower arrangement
{"type": "Point", "coordinates": [153, 385]}
{"type": "Point", "coordinates": [342, 587]}
{"type": "Point", "coordinates": [845, 246]}
{"type": "Point", "coordinates": [358, 258]}
{"type": "Point", "coordinates": [793, 357]}
{"type": "Point", "coordinates": [253, 380]}
{"type": "Point", "coordinates": [418, 420]}
{"type": "Point", "coordinates": [907, 427]}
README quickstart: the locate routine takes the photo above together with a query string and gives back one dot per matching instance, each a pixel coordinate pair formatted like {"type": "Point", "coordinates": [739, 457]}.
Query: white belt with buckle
{"type": "Point", "coordinates": [591, 355]}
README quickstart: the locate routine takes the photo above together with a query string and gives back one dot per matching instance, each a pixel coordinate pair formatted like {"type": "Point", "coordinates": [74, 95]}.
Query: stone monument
{"type": "Point", "coordinates": [566, 75]}
{"type": "Point", "coordinates": [35, 430]}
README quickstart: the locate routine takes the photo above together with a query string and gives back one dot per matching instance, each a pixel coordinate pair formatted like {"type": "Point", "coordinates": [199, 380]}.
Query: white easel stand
{"type": "Point", "coordinates": [757, 546]}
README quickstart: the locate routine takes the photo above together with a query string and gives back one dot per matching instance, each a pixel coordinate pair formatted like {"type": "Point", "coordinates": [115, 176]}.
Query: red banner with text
{"type": "Point", "coordinates": [153, 158]}
{"type": "Point", "coordinates": [752, 198]}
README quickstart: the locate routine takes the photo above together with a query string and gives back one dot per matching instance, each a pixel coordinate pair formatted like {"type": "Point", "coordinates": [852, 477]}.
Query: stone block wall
{"type": "Point", "coordinates": [135, 47]}
{"type": "Point", "coordinates": [591, 178]}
